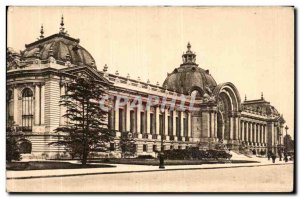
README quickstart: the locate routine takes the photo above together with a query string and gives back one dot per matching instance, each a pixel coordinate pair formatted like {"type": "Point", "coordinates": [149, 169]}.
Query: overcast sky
{"type": "Point", "coordinates": [250, 47]}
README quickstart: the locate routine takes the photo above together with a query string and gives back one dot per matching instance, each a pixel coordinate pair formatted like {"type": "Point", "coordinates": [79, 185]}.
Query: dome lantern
{"type": "Point", "coordinates": [42, 32]}
{"type": "Point", "coordinates": [105, 68]}
{"type": "Point", "coordinates": [189, 57]}
{"type": "Point", "coordinates": [62, 28]}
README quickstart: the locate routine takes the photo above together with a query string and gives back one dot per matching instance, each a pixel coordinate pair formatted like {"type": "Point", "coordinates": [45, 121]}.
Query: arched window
{"type": "Point", "coordinates": [25, 146]}
{"type": "Point", "coordinates": [9, 105]}
{"type": "Point", "coordinates": [27, 109]}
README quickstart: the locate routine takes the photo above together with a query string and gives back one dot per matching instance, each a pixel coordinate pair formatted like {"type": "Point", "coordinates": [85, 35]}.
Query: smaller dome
{"type": "Point", "coordinates": [189, 77]}
{"type": "Point", "coordinates": [62, 48]}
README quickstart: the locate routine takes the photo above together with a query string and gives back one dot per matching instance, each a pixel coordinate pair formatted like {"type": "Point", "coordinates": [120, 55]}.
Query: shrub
{"type": "Point", "coordinates": [145, 157]}
{"type": "Point", "coordinates": [196, 154]}
{"type": "Point", "coordinates": [12, 146]}
{"type": "Point", "coordinates": [262, 152]}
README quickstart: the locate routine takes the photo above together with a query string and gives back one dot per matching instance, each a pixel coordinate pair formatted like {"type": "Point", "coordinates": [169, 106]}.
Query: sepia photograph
{"type": "Point", "coordinates": [157, 99]}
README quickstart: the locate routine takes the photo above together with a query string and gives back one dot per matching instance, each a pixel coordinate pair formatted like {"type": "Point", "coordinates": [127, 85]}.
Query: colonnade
{"type": "Point", "coordinates": [253, 133]}
{"type": "Point", "coordinates": [151, 122]}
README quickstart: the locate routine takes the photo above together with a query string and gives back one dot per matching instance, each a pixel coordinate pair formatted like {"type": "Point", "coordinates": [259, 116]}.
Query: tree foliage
{"type": "Point", "coordinates": [288, 143]}
{"type": "Point", "coordinates": [86, 129]}
{"type": "Point", "coordinates": [127, 144]}
{"type": "Point", "coordinates": [12, 146]}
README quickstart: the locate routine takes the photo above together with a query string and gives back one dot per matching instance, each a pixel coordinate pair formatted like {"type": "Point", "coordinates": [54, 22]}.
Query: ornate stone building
{"type": "Point", "coordinates": [37, 77]}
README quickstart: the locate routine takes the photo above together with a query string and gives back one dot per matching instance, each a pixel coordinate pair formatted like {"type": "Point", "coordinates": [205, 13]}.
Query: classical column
{"type": "Point", "coordinates": [138, 119]}
{"type": "Point", "coordinates": [157, 120]}
{"type": "Point", "coordinates": [265, 134]}
{"type": "Point", "coordinates": [250, 132]}
{"type": "Point", "coordinates": [181, 123]}
{"type": "Point", "coordinates": [255, 133]}
{"type": "Point", "coordinates": [166, 122]}
{"type": "Point", "coordinates": [246, 132]}
{"type": "Point", "coordinates": [231, 128]}
{"type": "Point", "coordinates": [36, 105]}
{"type": "Point", "coordinates": [148, 119]}
{"type": "Point", "coordinates": [258, 134]}
{"type": "Point", "coordinates": [189, 124]}
{"type": "Point", "coordinates": [242, 131]}
{"type": "Point", "coordinates": [281, 134]}
{"type": "Point", "coordinates": [212, 126]}
{"type": "Point", "coordinates": [128, 116]}
{"type": "Point", "coordinates": [43, 104]}
{"type": "Point", "coordinates": [215, 125]}
{"type": "Point", "coordinates": [16, 105]}
{"type": "Point", "coordinates": [116, 118]}
{"type": "Point", "coordinates": [174, 124]}
{"type": "Point", "coordinates": [236, 131]}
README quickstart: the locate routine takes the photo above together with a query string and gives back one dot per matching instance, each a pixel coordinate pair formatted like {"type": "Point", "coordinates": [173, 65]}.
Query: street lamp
{"type": "Point", "coordinates": [285, 140]}
{"type": "Point", "coordinates": [161, 154]}
{"type": "Point", "coordinates": [286, 129]}
{"type": "Point", "coordinates": [285, 144]}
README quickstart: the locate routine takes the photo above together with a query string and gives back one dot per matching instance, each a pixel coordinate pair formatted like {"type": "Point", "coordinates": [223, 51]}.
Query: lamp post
{"type": "Point", "coordinates": [161, 154]}
{"type": "Point", "coordinates": [285, 141]}
{"type": "Point", "coordinates": [285, 144]}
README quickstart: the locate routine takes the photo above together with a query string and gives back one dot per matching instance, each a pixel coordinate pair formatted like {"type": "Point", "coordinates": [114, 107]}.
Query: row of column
{"type": "Point", "coordinates": [166, 113]}
{"type": "Point", "coordinates": [209, 124]}
{"type": "Point", "coordinates": [234, 128]}
{"type": "Point", "coordinates": [252, 132]}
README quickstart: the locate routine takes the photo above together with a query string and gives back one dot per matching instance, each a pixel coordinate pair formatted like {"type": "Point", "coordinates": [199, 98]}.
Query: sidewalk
{"type": "Point", "coordinates": [125, 168]}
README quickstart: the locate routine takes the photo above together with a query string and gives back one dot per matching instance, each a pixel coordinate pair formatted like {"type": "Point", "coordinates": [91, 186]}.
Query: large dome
{"type": "Point", "coordinates": [61, 47]}
{"type": "Point", "coordinates": [189, 77]}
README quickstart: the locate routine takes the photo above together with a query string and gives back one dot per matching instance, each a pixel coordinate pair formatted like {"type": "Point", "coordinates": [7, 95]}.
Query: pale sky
{"type": "Point", "coordinates": [251, 47]}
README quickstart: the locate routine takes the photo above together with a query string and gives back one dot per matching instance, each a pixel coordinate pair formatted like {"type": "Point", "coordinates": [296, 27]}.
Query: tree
{"type": "Point", "coordinates": [12, 147]}
{"type": "Point", "coordinates": [127, 144]}
{"type": "Point", "coordinates": [288, 143]}
{"type": "Point", "coordinates": [86, 128]}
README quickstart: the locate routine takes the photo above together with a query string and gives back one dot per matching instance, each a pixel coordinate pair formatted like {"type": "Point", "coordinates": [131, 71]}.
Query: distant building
{"type": "Point", "coordinates": [37, 77]}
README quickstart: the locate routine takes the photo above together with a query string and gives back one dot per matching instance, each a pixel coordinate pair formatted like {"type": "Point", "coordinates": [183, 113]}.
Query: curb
{"type": "Point", "coordinates": [139, 171]}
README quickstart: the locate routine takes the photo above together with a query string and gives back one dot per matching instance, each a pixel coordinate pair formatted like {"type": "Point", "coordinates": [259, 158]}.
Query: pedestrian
{"type": "Point", "coordinates": [273, 158]}
{"type": "Point", "coordinates": [286, 157]}
{"type": "Point", "coordinates": [269, 155]}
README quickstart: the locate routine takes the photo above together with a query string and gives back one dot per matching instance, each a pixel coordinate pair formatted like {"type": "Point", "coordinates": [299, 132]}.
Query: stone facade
{"type": "Point", "coordinates": [45, 68]}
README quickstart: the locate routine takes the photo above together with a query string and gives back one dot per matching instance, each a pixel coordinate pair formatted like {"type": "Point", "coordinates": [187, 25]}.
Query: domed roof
{"type": "Point", "coordinates": [189, 77]}
{"type": "Point", "coordinates": [60, 46]}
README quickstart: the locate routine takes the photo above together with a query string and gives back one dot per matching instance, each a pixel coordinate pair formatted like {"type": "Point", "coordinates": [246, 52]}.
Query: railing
{"type": "Point", "coordinates": [25, 129]}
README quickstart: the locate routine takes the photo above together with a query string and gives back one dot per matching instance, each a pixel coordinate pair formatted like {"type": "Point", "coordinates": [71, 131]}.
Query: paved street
{"type": "Point", "coordinates": [243, 179]}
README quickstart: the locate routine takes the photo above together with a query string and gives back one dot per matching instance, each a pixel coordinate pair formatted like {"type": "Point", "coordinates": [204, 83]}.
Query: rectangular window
{"type": "Point", "coordinates": [142, 122]}
{"type": "Point", "coordinates": [154, 148]}
{"type": "Point", "coordinates": [121, 116]}
{"type": "Point", "coordinates": [161, 126]}
{"type": "Point", "coordinates": [184, 127]}
{"type": "Point", "coordinates": [171, 147]}
{"type": "Point", "coordinates": [151, 123]}
{"type": "Point", "coordinates": [177, 127]}
{"type": "Point", "coordinates": [132, 121]}
{"type": "Point", "coordinates": [170, 125]}
{"type": "Point", "coordinates": [145, 148]}
{"type": "Point", "coordinates": [179, 147]}
{"type": "Point", "coordinates": [112, 147]}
